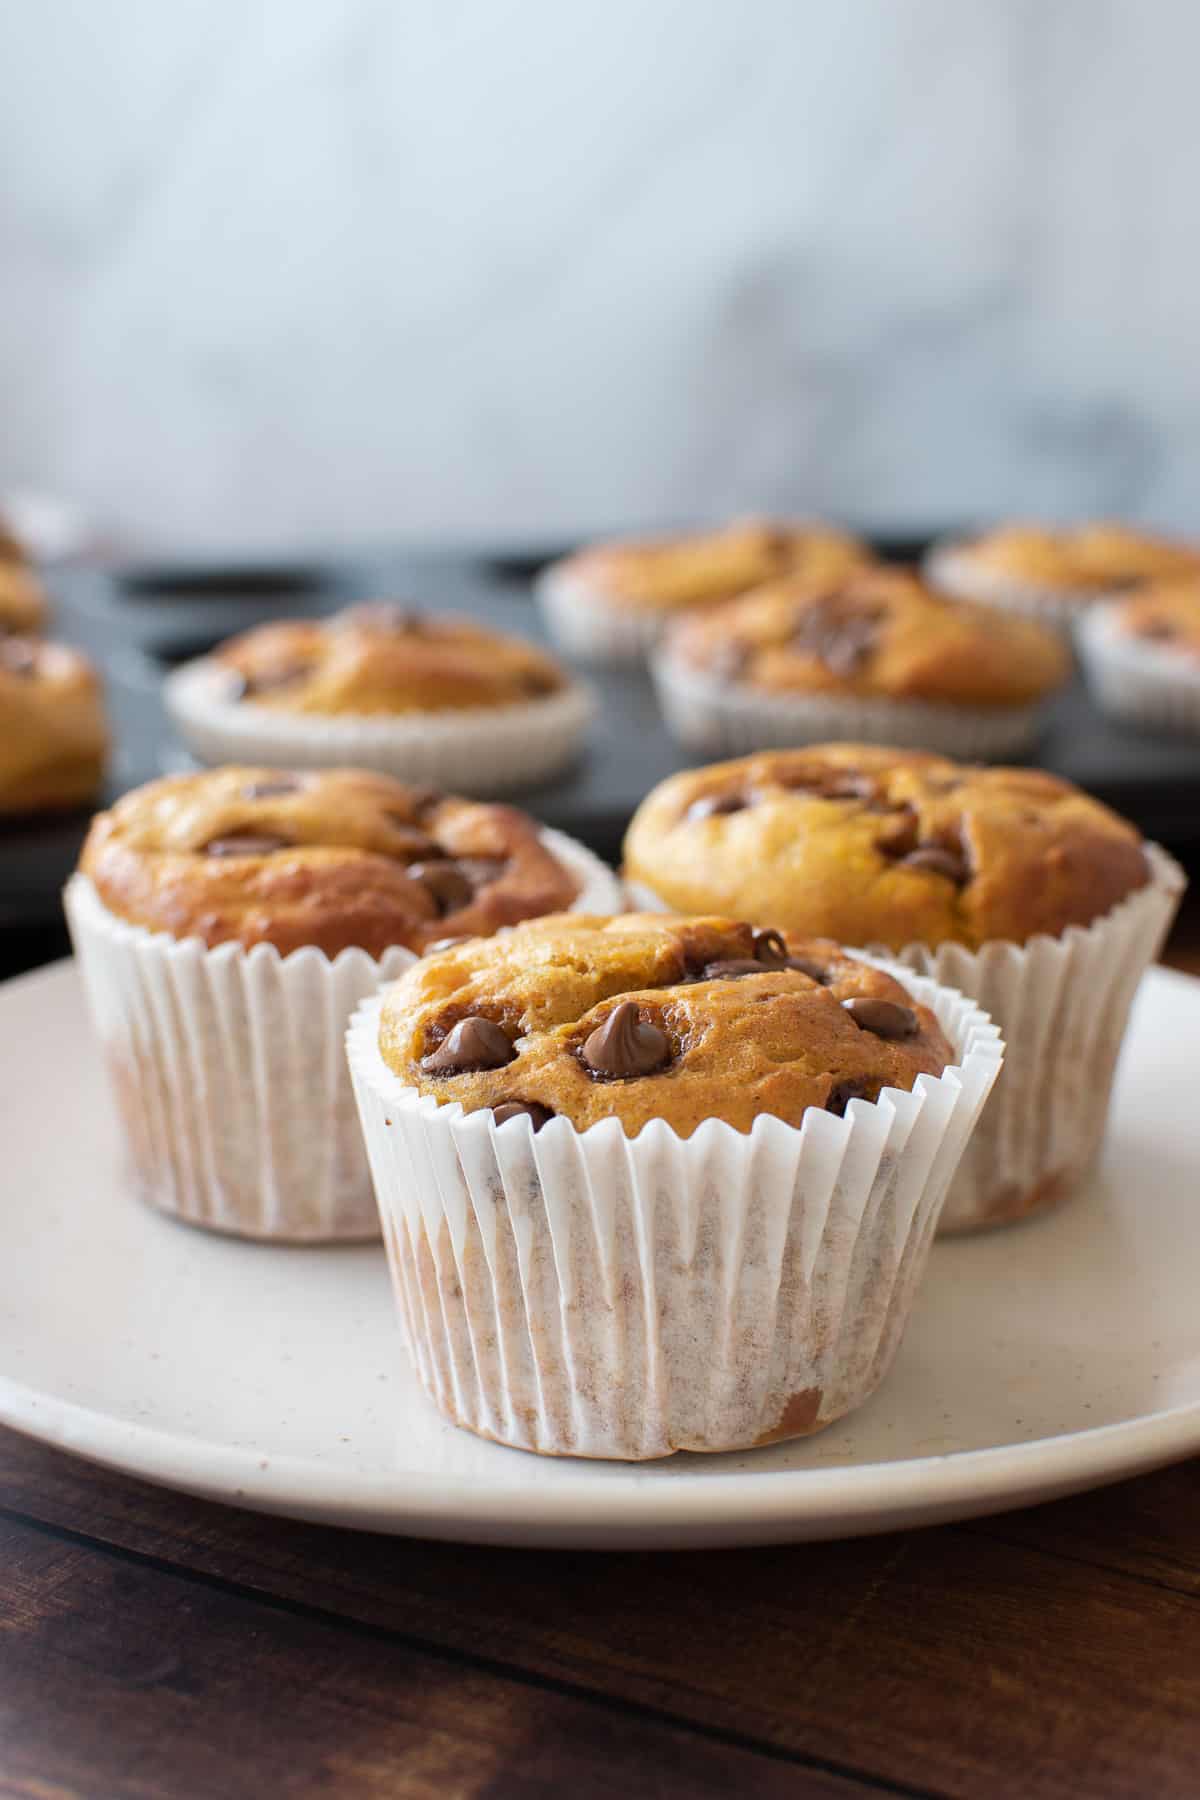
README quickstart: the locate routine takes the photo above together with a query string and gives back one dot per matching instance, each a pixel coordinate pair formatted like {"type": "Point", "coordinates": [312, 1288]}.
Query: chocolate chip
{"type": "Point", "coordinates": [938, 859]}
{"type": "Point", "coordinates": [834, 784]}
{"type": "Point", "coordinates": [840, 632]}
{"type": "Point", "coordinates": [448, 885]}
{"type": "Point", "coordinates": [269, 790]}
{"type": "Point", "coordinates": [532, 1110]}
{"type": "Point", "coordinates": [246, 843]}
{"type": "Point", "coordinates": [18, 657]}
{"type": "Point", "coordinates": [730, 969]}
{"type": "Point", "coordinates": [626, 1045]}
{"type": "Point", "coordinates": [842, 1092]}
{"type": "Point", "coordinates": [898, 838]}
{"type": "Point", "coordinates": [814, 970]}
{"type": "Point", "coordinates": [473, 1044]}
{"type": "Point", "coordinates": [711, 806]}
{"type": "Point", "coordinates": [769, 947]}
{"type": "Point", "coordinates": [886, 1018]}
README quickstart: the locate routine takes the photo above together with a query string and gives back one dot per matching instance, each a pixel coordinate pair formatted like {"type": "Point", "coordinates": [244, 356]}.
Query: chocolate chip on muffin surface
{"type": "Point", "coordinates": [333, 858]}
{"type": "Point", "coordinates": [647, 1017]}
{"type": "Point", "coordinates": [875, 846]}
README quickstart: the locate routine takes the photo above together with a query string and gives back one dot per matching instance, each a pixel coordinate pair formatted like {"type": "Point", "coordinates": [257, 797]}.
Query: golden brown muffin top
{"type": "Point", "coordinates": [703, 568]}
{"type": "Point", "coordinates": [334, 858]}
{"type": "Point", "coordinates": [380, 659]}
{"type": "Point", "coordinates": [22, 598]}
{"type": "Point", "coordinates": [877, 846]}
{"type": "Point", "coordinates": [53, 738]}
{"type": "Point", "coordinates": [1166, 614]}
{"type": "Point", "coordinates": [645, 1017]}
{"type": "Point", "coordinates": [882, 632]}
{"type": "Point", "coordinates": [1083, 561]}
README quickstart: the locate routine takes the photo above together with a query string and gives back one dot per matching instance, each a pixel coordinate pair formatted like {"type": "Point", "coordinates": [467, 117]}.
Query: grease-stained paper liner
{"type": "Point", "coordinates": [586, 624]}
{"type": "Point", "coordinates": [1063, 1004]}
{"type": "Point", "coordinates": [228, 1067]}
{"type": "Point", "coordinates": [1136, 679]}
{"type": "Point", "coordinates": [952, 570]}
{"type": "Point", "coordinates": [479, 751]}
{"type": "Point", "coordinates": [587, 1294]}
{"type": "Point", "coordinates": [721, 718]}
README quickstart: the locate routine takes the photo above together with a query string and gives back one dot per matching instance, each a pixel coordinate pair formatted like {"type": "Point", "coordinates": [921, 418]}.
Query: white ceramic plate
{"type": "Point", "coordinates": [1048, 1358]}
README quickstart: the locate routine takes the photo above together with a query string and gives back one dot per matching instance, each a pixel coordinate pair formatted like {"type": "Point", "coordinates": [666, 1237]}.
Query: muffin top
{"type": "Point", "coordinates": [1166, 614]}
{"type": "Point", "coordinates": [670, 574]}
{"type": "Point", "coordinates": [649, 1017]}
{"type": "Point", "coordinates": [333, 858]}
{"type": "Point", "coordinates": [22, 599]}
{"type": "Point", "coordinates": [53, 737]}
{"type": "Point", "coordinates": [876, 846]}
{"type": "Point", "coordinates": [880, 631]}
{"type": "Point", "coordinates": [1081, 561]}
{"type": "Point", "coordinates": [384, 659]}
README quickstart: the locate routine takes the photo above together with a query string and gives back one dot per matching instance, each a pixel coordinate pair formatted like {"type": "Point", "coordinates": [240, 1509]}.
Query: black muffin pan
{"type": "Point", "coordinates": [138, 623]}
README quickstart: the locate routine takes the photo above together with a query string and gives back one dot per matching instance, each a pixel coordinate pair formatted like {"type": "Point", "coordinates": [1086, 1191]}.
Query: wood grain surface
{"type": "Point", "coordinates": [154, 1645]}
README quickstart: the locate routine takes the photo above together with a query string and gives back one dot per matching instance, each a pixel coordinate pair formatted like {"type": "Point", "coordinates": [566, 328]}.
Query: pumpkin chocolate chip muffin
{"type": "Point", "coordinates": [228, 923]}
{"type": "Point", "coordinates": [1141, 655]}
{"type": "Point", "coordinates": [1008, 884]}
{"type": "Point", "coordinates": [1054, 573]}
{"type": "Point", "coordinates": [421, 696]}
{"type": "Point", "coordinates": [610, 602]}
{"type": "Point", "coordinates": [666, 1151]}
{"type": "Point", "coordinates": [876, 655]}
{"type": "Point", "coordinates": [53, 737]}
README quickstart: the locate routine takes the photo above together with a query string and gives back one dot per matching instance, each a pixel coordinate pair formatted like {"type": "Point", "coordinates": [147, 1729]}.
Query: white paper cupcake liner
{"type": "Point", "coordinates": [478, 751]}
{"type": "Point", "coordinates": [1135, 679]}
{"type": "Point", "coordinates": [722, 719]}
{"type": "Point", "coordinates": [1063, 1004]}
{"type": "Point", "coordinates": [952, 570]}
{"type": "Point", "coordinates": [587, 1294]}
{"type": "Point", "coordinates": [585, 624]}
{"type": "Point", "coordinates": [228, 1067]}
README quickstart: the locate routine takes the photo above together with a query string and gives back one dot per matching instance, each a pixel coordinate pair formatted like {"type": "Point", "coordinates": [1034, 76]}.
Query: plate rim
{"type": "Point", "coordinates": [743, 1505]}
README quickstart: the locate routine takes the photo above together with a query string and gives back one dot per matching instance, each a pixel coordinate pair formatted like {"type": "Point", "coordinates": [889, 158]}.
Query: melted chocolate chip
{"type": "Point", "coordinates": [625, 1045]}
{"type": "Point", "coordinates": [269, 790]}
{"type": "Point", "coordinates": [842, 1092]}
{"type": "Point", "coordinates": [770, 955]}
{"type": "Point", "coordinates": [246, 843]}
{"type": "Point", "coordinates": [473, 1044]}
{"type": "Point", "coordinates": [730, 969]}
{"type": "Point", "coordinates": [939, 859]}
{"type": "Point", "coordinates": [710, 806]}
{"type": "Point", "coordinates": [834, 784]}
{"type": "Point", "coordinates": [886, 1018]}
{"type": "Point", "coordinates": [532, 1110]}
{"type": "Point", "coordinates": [445, 882]}
{"type": "Point", "coordinates": [899, 837]}
{"type": "Point", "coordinates": [814, 970]}
{"type": "Point", "coordinates": [18, 657]}
{"type": "Point", "coordinates": [840, 632]}
{"type": "Point", "coordinates": [770, 947]}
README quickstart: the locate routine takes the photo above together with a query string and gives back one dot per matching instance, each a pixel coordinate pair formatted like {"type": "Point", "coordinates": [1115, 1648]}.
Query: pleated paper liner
{"type": "Point", "coordinates": [480, 751]}
{"type": "Point", "coordinates": [951, 569]}
{"type": "Point", "coordinates": [585, 624]}
{"type": "Point", "coordinates": [1063, 1005]}
{"type": "Point", "coordinates": [229, 1071]}
{"type": "Point", "coordinates": [588, 1294]}
{"type": "Point", "coordinates": [1137, 680]}
{"type": "Point", "coordinates": [720, 718]}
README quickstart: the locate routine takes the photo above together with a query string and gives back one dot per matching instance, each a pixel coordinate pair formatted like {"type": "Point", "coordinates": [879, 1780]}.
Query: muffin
{"type": "Point", "coordinates": [610, 603]}
{"type": "Point", "coordinates": [53, 738]}
{"type": "Point", "coordinates": [1056, 573]}
{"type": "Point", "coordinates": [1008, 884]}
{"type": "Point", "coordinates": [1141, 655]}
{"type": "Point", "coordinates": [22, 598]}
{"type": "Point", "coordinates": [423, 697]}
{"type": "Point", "coordinates": [876, 656]}
{"type": "Point", "coordinates": [681, 1176]}
{"type": "Point", "coordinates": [227, 924]}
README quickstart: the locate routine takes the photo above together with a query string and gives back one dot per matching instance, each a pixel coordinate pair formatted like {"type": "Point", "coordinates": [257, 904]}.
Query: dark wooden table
{"type": "Point", "coordinates": [154, 1645]}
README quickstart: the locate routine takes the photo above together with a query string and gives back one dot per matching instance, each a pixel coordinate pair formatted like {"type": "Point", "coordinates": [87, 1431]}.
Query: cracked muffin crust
{"type": "Point", "coordinates": [1075, 564]}
{"type": "Point", "coordinates": [881, 632]}
{"type": "Point", "coordinates": [646, 1017]}
{"type": "Point", "coordinates": [674, 574]}
{"type": "Point", "coordinates": [333, 858]}
{"type": "Point", "coordinates": [876, 846]}
{"type": "Point", "coordinates": [53, 737]}
{"type": "Point", "coordinates": [380, 659]}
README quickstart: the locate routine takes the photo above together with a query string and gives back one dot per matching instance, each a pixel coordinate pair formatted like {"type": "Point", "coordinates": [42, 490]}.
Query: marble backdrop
{"type": "Point", "coordinates": [318, 270]}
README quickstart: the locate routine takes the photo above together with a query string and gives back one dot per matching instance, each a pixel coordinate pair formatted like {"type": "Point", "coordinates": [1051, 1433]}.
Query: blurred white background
{"type": "Point", "coordinates": [312, 271]}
